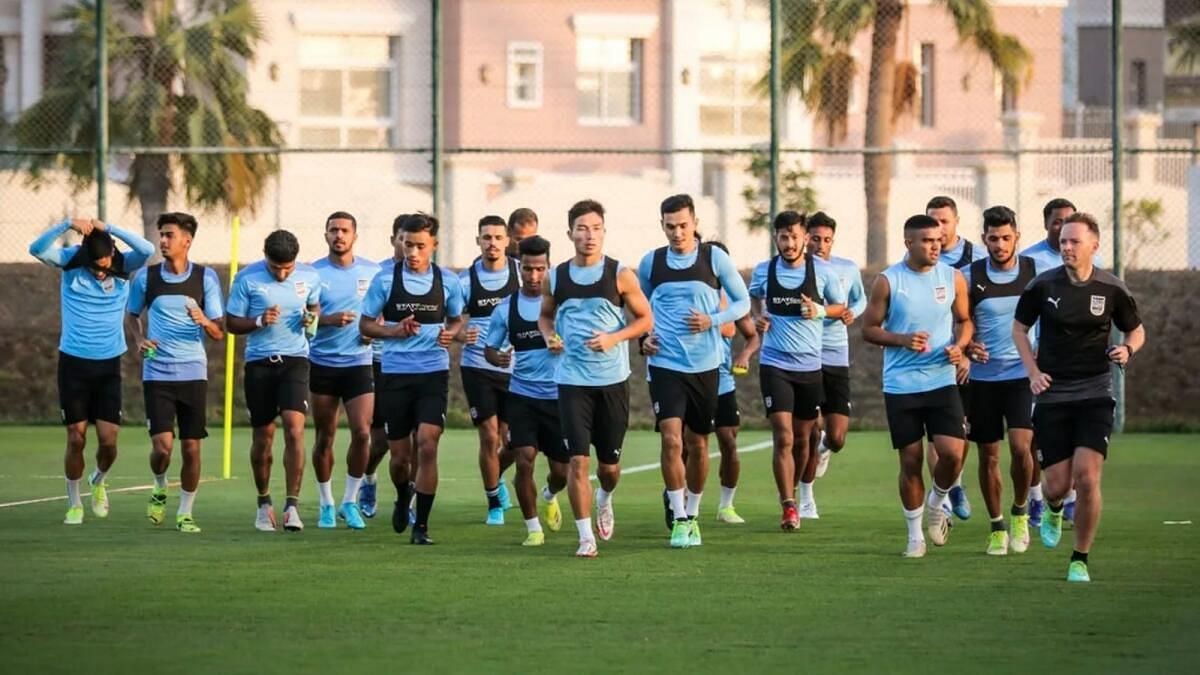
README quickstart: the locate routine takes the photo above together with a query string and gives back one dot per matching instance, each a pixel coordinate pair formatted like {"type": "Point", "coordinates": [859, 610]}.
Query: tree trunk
{"type": "Point", "coordinates": [151, 183]}
{"type": "Point", "coordinates": [877, 169]}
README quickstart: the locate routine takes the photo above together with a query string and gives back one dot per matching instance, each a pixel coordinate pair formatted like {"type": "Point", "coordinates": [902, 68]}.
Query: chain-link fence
{"type": "Point", "coordinates": [281, 112]}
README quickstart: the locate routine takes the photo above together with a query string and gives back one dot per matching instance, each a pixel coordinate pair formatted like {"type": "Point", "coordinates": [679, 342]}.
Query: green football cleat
{"type": "Point", "coordinates": [680, 534]}
{"type": "Point", "coordinates": [157, 508]}
{"type": "Point", "coordinates": [694, 533]}
{"type": "Point", "coordinates": [730, 516]}
{"type": "Point", "coordinates": [534, 539]}
{"type": "Point", "coordinates": [1077, 571]}
{"type": "Point", "coordinates": [998, 543]}
{"type": "Point", "coordinates": [185, 523]}
{"type": "Point", "coordinates": [1020, 534]}
{"type": "Point", "coordinates": [74, 516]}
{"type": "Point", "coordinates": [100, 500]}
{"type": "Point", "coordinates": [1051, 529]}
{"type": "Point", "coordinates": [551, 513]}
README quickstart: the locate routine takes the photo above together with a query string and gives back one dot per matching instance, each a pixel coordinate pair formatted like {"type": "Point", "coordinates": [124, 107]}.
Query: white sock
{"type": "Point", "coordinates": [584, 525]}
{"type": "Point", "coordinates": [806, 493]}
{"type": "Point", "coordinates": [547, 494]}
{"type": "Point", "coordinates": [937, 497]}
{"type": "Point", "coordinates": [602, 497]}
{"type": "Point", "coordinates": [186, 499]}
{"type": "Point", "coordinates": [370, 478]}
{"type": "Point", "coordinates": [326, 491]}
{"type": "Point", "coordinates": [913, 519]}
{"type": "Point", "coordinates": [533, 524]}
{"type": "Point", "coordinates": [693, 503]}
{"type": "Point", "coordinates": [678, 505]}
{"type": "Point", "coordinates": [1035, 493]}
{"type": "Point", "coordinates": [160, 481]}
{"type": "Point", "coordinates": [97, 477]}
{"type": "Point", "coordinates": [821, 444]}
{"type": "Point", "coordinates": [350, 496]}
{"type": "Point", "coordinates": [957, 480]}
{"type": "Point", "coordinates": [726, 497]}
{"type": "Point", "coordinates": [73, 499]}
{"type": "Point", "coordinates": [1070, 497]}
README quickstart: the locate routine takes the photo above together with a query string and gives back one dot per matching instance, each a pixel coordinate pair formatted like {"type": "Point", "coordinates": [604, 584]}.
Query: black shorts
{"type": "Point", "coordinates": [534, 424]}
{"type": "Point", "coordinates": [345, 383]}
{"type": "Point", "coordinates": [728, 414]}
{"type": "Point", "coordinates": [409, 400]}
{"type": "Point", "coordinates": [274, 385]}
{"type": "Point", "coordinates": [964, 393]}
{"type": "Point", "coordinates": [167, 402]}
{"type": "Point", "coordinates": [787, 391]}
{"type": "Point", "coordinates": [89, 389]}
{"type": "Point", "coordinates": [835, 381]}
{"type": "Point", "coordinates": [997, 404]}
{"type": "Point", "coordinates": [690, 397]}
{"type": "Point", "coordinates": [377, 377]}
{"type": "Point", "coordinates": [487, 391]}
{"type": "Point", "coordinates": [594, 416]}
{"type": "Point", "coordinates": [912, 416]}
{"type": "Point", "coordinates": [1059, 428]}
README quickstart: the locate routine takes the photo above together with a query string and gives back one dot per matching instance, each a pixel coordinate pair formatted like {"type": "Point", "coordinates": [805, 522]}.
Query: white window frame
{"type": "Point", "coordinates": [390, 125]}
{"type": "Point", "coordinates": [739, 103]}
{"type": "Point", "coordinates": [516, 49]}
{"type": "Point", "coordinates": [637, 51]}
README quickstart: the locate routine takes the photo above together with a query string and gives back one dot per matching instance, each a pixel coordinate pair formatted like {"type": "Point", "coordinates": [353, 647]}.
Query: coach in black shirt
{"type": "Point", "coordinates": [1071, 377]}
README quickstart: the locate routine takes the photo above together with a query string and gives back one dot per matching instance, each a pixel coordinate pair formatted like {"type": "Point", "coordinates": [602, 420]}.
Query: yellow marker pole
{"type": "Point", "coordinates": [230, 343]}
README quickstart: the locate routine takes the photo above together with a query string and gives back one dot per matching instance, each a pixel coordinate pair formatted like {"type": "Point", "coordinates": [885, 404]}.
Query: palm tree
{"type": "Point", "coordinates": [1183, 43]}
{"type": "Point", "coordinates": [175, 80]}
{"type": "Point", "coordinates": [816, 62]}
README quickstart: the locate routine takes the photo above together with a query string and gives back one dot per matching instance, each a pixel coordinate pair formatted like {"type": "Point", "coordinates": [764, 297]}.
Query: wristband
{"type": "Point", "coordinates": [820, 313]}
{"type": "Point", "coordinates": [258, 321]}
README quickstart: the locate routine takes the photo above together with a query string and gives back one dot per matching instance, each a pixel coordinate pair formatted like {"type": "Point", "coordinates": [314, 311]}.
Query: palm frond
{"type": "Point", "coordinates": [1183, 43]}
{"type": "Point", "coordinates": [976, 25]}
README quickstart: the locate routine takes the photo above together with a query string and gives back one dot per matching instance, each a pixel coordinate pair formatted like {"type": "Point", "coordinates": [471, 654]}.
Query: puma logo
{"type": "Point", "coordinates": [981, 287]}
{"type": "Point", "coordinates": [1054, 301]}
{"type": "Point", "coordinates": [901, 291]}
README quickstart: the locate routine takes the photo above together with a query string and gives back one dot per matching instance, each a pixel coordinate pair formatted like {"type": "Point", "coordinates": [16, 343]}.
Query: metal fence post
{"type": "Point", "coordinates": [101, 108]}
{"type": "Point", "coordinates": [1118, 178]}
{"type": "Point", "coordinates": [776, 105]}
{"type": "Point", "coordinates": [436, 111]}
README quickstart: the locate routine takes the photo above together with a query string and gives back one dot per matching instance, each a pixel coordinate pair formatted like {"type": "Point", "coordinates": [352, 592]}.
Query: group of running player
{"type": "Point", "coordinates": [545, 367]}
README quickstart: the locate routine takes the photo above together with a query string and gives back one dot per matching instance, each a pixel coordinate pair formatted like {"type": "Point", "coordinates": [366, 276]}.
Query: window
{"type": "Point", "coordinates": [524, 74]}
{"type": "Point", "coordinates": [1008, 95]}
{"type": "Point", "coordinates": [346, 90]}
{"type": "Point", "coordinates": [9, 76]}
{"type": "Point", "coordinates": [1138, 74]}
{"type": "Point", "coordinates": [927, 83]}
{"type": "Point", "coordinates": [609, 80]}
{"type": "Point", "coordinates": [730, 104]}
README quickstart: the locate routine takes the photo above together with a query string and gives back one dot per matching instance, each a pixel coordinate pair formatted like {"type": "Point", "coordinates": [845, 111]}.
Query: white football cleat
{"type": "Point", "coordinates": [808, 511]}
{"type": "Point", "coordinates": [291, 520]}
{"type": "Point", "coordinates": [265, 520]}
{"type": "Point", "coordinates": [587, 549]}
{"type": "Point", "coordinates": [604, 519]}
{"type": "Point", "coordinates": [937, 525]}
{"type": "Point", "coordinates": [916, 549]}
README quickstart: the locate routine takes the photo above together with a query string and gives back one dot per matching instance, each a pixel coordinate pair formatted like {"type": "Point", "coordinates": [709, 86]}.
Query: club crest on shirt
{"type": "Point", "coordinates": [939, 294]}
{"type": "Point", "coordinates": [1097, 306]}
{"type": "Point", "coordinates": [301, 289]}
{"type": "Point", "coordinates": [108, 284]}
{"type": "Point", "coordinates": [363, 285]}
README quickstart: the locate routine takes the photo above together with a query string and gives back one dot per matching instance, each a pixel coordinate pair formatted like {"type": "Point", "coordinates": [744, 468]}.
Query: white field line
{"type": "Point", "coordinates": [135, 488]}
{"type": "Point", "coordinates": [640, 468]}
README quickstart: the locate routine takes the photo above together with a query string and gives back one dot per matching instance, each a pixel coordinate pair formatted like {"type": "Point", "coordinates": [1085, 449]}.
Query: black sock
{"type": "Point", "coordinates": [1081, 557]}
{"type": "Point", "coordinates": [493, 497]}
{"type": "Point", "coordinates": [998, 525]}
{"type": "Point", "coordinates": [1020, 510]}
{"type": "Point", "coordinates": [424, 506]}
{"type": "Point", "coordinates": [1055, 509]}
{"type": "Point", "coordinates": [290, 502]}
{"type": "Point", "coordinates": [404, 494]}
{"type": "Point", "coordinates": [264, 500]}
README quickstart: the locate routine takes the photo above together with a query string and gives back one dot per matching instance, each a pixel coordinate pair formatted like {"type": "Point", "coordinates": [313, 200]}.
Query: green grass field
{"type": "Point", "coordinates": [122, 596]}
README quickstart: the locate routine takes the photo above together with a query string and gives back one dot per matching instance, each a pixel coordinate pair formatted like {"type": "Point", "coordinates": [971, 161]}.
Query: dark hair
{"type": "Point", "coordinates": [999, 216]}
{"type": "Point", "coordinates": [522, 216]}
{"type": "Point", "coordinates": [397, 222]}
{"type": "Point", "coordinates": [942, 202]}
{"type": "Point", "coordinates": [99, 244]}
{"type": "Point", "coordinates": [419, 222]}
{"type": "Point", "coordinates": [676, 203]}
{"type": "Point", "coordinates": [492, 221]}
{"type": "Point", "coordinates": [822, 219]}
{"type": "Point", "coordinates": [786, 219]}
{"type": "Point", "coordinates": [184, 221]}
{"type": "Point", "coordinates": [1086, 219]}
{"type": "Point", "coordinates": [920, 222]}
{"type": "Point", "coordinates": [535, 245]}
{"type": "Point", "coordinates": [1054, 205]}
{"type": "Point", "coordinates": [281, 246]}
{"type": "Point", "coordinates": [583, 208]}
{"type": "Point", "coordinates": [719, 244]}
{"type": "Point", "coordinates": [341, 215]}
